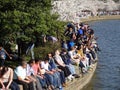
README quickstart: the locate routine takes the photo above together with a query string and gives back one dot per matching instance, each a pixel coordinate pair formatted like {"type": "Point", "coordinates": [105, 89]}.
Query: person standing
{"type": "Point", "coordinates": [3, 55]}
{"type": "Point", "coordinates": [30, 48]}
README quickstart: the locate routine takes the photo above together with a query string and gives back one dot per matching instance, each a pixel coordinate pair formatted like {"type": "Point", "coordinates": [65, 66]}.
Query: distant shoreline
{"type": "Point", "coordinates": [97, 18]}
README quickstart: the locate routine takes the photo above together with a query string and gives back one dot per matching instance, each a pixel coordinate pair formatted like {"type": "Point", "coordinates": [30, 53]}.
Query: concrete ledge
{"type": "Point", "coordinates": [96, 18]}
{"type": "Point", "coordinates": [80, 83]}
{"type": "Point", "coordinates": [21, 87]}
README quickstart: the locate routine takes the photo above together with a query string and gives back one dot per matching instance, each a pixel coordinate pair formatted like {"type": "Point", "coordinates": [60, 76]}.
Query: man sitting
{"type": "Point", "coordinates": [21, 77]}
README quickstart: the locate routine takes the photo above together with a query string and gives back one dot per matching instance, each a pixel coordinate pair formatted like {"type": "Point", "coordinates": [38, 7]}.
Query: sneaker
{"type": "Point", "coordinates": [76, 75]}
{"type": "Point", "coordinates": [64, 84]}
{"type": "Point", "coordinates": [70, 77]}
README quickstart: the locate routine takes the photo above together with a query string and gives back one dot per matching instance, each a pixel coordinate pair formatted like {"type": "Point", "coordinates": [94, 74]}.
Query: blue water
{"type": "Point", "coordinates": [107, 76]}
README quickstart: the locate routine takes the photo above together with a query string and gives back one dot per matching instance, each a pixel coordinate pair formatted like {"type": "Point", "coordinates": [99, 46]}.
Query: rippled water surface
{"type": "Point", "coordinates": [107, 76]}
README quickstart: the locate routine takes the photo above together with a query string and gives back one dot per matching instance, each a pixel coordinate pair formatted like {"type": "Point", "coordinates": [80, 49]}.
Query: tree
{"type": "Point", "coordinates": [27, 19]}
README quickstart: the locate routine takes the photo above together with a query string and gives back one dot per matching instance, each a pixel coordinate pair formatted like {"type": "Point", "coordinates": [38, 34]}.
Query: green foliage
{"type": "Point", "coordinates": [41, 52]}
{"type": "Point", "coordinates": [23, 18]}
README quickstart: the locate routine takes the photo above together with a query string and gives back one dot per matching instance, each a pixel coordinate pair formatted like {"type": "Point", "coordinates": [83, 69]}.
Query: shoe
{"type": "Point", "coordinates": [76, 75]}
{"type": "Point", "coordinates": [70, 78]}
{"type": "Point", "coordinates": [64, 84]}
{"type": "Point", "coordinates": [52, 87]}
{"type": "Point", "coordinates": [49, 88]}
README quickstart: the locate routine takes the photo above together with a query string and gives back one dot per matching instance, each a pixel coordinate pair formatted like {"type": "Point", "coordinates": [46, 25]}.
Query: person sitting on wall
{"type": "Point", "coordinates": [22, 78]}
{"type": "Point", "coordinates": [56, 69]}
{"type": "Point", "coordinates": [40, 74]}
{"type": "Point", "coordinates": [68, 63]}
{"type": "Point", "coordinates": [61, 65]}
{"type": "Point", "coordinates": [50, 73]}
{"type": "Point", "coordinates": [31, 74]}
{"type": "Point", "coordinates": [75, 58]}
{"type": "Point", "coordinates": [6, 79]}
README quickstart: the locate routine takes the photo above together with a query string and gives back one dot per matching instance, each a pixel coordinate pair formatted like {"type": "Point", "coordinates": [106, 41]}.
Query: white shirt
{"type": "Point", "coordinates": [21, 72]}
{"type": "Point", "coordinates": [29, 70]}
{"type": "Point", "coordinates": [59, 59]}
{"type": "Point", "coordinates": [72, 54]}
{"type": "Point", "coordinates": [45, 65]}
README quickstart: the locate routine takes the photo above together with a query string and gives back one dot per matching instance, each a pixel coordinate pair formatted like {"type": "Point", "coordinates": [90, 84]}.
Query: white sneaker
{"type": "Point", "coordinates": [70, 77]}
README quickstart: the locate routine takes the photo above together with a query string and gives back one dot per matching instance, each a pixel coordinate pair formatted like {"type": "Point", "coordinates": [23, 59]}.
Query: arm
{"type": "Point", "coordinates": [24, 80]}
{"type": "Point", "coordinates": [3, 86]}
{"type": "Point", "coordinates": [10, 78]}
{"type": "Point", "coordinates": [7, 54]}
{"type": "Point", "coordinates": [59, 62]}
{"type": "Point", "coordinates": [18, 73]}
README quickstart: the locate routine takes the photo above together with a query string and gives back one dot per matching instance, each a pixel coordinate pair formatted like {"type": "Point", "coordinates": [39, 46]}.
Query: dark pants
{"type": "Point", "coordinates": [88, 56]}
{"type": "Point", "coordinates": [13, 86]}
{"type": "Point", "coordinates": [62, 77]}
{"type": "Point", "coordinates": [2, 61]}
{"type": "Point", "coordinates": [93, 54]}
{"type": "Point", "coordinates": [26, 86]}
{"type": "Point", "coordinates": [81, 65]}
{"type": "Point", "coordinates": [65, 70]}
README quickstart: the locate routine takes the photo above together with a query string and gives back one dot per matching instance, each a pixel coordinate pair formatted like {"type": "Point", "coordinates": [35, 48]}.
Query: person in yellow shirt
{"type": "Point", "coordinates": [80, 51]}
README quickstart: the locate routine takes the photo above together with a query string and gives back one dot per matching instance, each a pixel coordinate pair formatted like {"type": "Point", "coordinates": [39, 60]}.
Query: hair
{"type": "Point", "coordinates": [31, 61]}
{"type": "Point", "coordinates": [37, 60]}
{"type": "Point", "coordinates": [1, 45]}
{"type": "Point", "coordinates": [72, 48]}
{"type": "Point", "coordinates": [79, 47]}
{"type": "Point", "coordinates": [64, 50]}
{"type": "Point", "coordinates": [23, 63]}
{"type": "Point", "coordinates": [3, 71]}
{"type": "Point", "coordinates": [46, 58]}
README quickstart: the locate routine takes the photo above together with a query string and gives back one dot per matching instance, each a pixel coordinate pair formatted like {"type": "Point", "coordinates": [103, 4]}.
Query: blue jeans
{"type": "Point", "coordinates": [32, 52]}
{"type": "Point", "coordinates": [52, 79]}
{"type": "Point", "coordinates": [14, 86]}
{"type": "Point", "coordinates": [71, 68]}
{"type": "Point", "coordinates": [49, 78]}
{"type": "Point", "coordinates": [57, 81]}
{"type": "Point", "coordinates": [30, 48]}
{"type": "Point", "coordinates": [43, 81]}
{"type": "Point", "coordinates": [2, 61]}
{"type": "Point", "coordinates": [62, 77]}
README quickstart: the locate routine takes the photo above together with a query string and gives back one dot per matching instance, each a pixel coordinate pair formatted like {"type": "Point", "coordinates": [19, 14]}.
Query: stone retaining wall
{"type": "Point", "coordinates": [81, 82]}
{"type": "Point", "coordinates": [96, 18]}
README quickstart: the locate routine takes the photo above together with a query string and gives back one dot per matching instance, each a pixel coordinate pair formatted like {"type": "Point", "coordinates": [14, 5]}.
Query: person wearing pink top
{"type": "Point", "coordinates": [40, 73]}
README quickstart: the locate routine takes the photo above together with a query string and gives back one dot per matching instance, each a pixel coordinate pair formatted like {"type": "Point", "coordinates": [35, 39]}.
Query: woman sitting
{"type": "Point", "coordinates": [6, 79]}
{"type": "Point", "coordinates": [61, 65]}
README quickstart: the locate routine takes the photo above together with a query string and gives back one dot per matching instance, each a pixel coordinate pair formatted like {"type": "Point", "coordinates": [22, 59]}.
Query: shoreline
{"type": "Point", "coordinates": [81, 83]}
{"type": "Point", "coordinates": [97, 18]}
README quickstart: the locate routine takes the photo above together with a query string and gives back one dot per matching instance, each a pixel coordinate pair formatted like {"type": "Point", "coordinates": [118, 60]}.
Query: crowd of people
{"type": "Point", "coordinates": [104, 12]}
{"type": "Point", "coordinates": [78, 49]}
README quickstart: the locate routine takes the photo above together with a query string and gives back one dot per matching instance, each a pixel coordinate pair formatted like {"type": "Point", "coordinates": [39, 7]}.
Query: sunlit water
{"type": "Point", "coordinates": [107, 76]}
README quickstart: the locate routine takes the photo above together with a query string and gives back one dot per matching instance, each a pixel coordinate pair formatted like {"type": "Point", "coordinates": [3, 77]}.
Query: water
{"type": "Point", "coordinates": [107, 76]}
